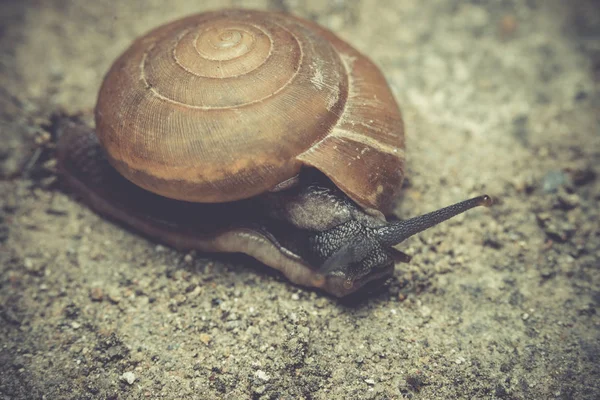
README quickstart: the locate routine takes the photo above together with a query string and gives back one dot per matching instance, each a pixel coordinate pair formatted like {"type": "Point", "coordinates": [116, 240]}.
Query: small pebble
{"type": "Point", "coordinates": [370, 381]}
{"type": "Point", "coordinates": [204, 338]}
{"type": "Point", "coordinates": [262, 375]}
{"type": "Point", "coordinates": [553, 180]}
{"type": "Point", "coordinates": [128, 377]}
{"type": "Point", "coordinates": [568, 201]}
{"type": "Point", "coordinates": [179, 299]}
{"type": "Point", "coordinates": [260, 390]}
{"type": "Point", "coordinates": [525, 184]}
{"type": "Point", "coordinates": [425, 312]}
{"type": "Point", "coordinates": [96, 294]}
{"type": "Point", "coordinates": [508, 25]}
{"type": "Point", "coordinates": [27, 263]}
{"type": "Point", "coordinates": [114, 296]}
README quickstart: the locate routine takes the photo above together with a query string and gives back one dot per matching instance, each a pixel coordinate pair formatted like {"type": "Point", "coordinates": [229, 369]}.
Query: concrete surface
{"type": "Point", "coordinates": [501, 303]}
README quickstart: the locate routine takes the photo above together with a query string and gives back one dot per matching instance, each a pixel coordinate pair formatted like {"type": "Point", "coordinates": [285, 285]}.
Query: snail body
{"type": "Point", "coordinates": [253, 132]}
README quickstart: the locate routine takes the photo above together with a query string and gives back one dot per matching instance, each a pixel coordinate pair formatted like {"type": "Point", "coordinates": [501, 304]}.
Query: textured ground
{"type": "Point", "coordinates": [499, 303]}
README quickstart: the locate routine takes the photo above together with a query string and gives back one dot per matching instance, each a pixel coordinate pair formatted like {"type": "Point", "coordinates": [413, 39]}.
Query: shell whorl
{"type": "Point", "coordinates": [217, 55]}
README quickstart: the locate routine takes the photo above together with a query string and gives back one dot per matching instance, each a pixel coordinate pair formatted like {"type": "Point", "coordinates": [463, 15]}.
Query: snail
{"type": "Point", "coordinates": [253, 132]}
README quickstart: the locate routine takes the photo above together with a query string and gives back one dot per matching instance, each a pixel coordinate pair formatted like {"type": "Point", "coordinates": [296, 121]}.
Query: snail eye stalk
{"type": "Point", "coordinates": [398, 231]}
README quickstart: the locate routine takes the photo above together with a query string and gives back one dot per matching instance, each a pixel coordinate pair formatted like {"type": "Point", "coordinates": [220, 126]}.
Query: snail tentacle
{"type": "Point", "coordinates": [398, 231]}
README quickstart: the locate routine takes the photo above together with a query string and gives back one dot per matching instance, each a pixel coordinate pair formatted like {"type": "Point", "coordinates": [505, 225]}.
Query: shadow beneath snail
{"type": "Point", "coordinates": [231, 263]}
{"type": "Point", "coordinates": [376, 291]}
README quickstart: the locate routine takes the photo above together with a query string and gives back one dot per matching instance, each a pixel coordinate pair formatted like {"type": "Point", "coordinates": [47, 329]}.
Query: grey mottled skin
{"type": "Point", "coordinates": [327, 229]}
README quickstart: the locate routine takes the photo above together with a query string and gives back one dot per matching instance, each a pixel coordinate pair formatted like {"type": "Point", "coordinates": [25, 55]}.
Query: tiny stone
{"type": "Point", "coordinates": [336, 22]}
{"type": "Point", "coordinates": [179, 299]}
{"type": "Point", "coordinates": [426, 312]}
{"type": "Point", "coordinates": [260, 390]}
{"type": "Point", "coordinates": [75, 325]}
{"type": "Point", "coordinates": [525, 316]}
{"type": "Point", "coordinates": [27, 263]}
{"type": "Point", "coordinates": [96, 294]}
{"type": "Point", "coordinates": [553, 180]}
{"type": "Point", "coordinates": [370, 381]}
{"type": "Point", "coordinates": [128, 377]}
{"type": "Point", "coordinates": [568, 201]}
{"type": "Point", "coordinates": [262, 375]}
{"type": "Point", "coordinates": [188, 258]}
{"type": "Point", "coordinates": [295, 296]}
{"type": "Point", "coordinates": [525, 184]}
{"type": "Point", "coordinates": [508, 25]}
{"type": "Point", "coordinates": [547, 273]}
{"type": "Point", "coordinates": [114, 296]}
{"type": "Point", "coordinates": [204, 338]}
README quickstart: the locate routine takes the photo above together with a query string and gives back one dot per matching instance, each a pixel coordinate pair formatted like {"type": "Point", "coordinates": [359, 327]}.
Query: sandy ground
{"type": "Point", "coordinates": [500, 303]}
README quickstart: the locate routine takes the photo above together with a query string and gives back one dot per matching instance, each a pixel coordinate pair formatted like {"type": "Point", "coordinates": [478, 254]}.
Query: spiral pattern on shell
{"type": "Point", "coordinates": [216, 56]}
{"type": "Point", "coordinates": [226, 105]}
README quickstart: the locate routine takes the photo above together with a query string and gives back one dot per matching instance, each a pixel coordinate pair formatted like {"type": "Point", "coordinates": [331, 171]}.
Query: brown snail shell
{"type": "Point", "coordinates": [225, 105]}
